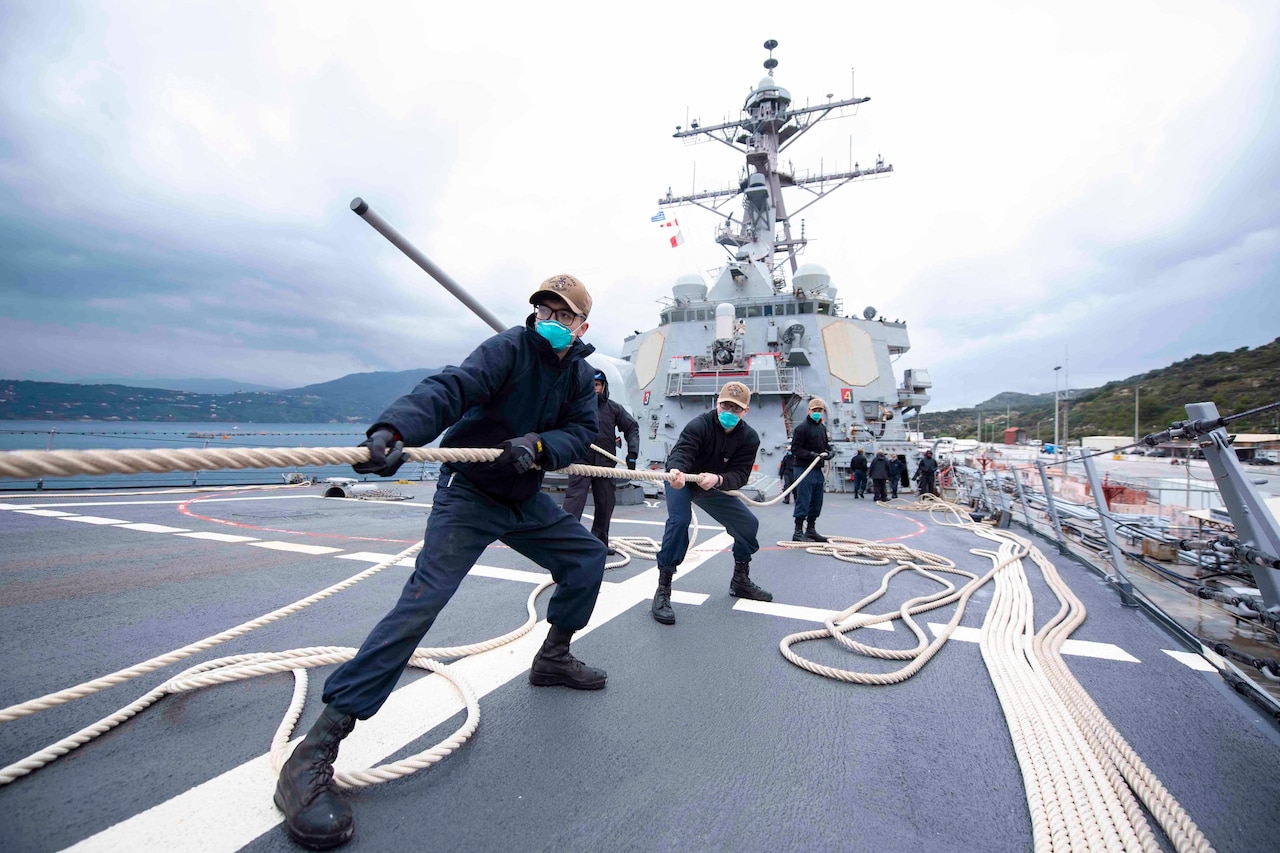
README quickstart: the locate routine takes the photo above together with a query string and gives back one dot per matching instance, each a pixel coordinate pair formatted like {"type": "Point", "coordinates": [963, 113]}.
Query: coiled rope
{"type": "Point", "coordinates": [1086, 787]}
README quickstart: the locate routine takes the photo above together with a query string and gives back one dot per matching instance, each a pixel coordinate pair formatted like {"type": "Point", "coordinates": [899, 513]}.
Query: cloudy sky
{"type": "Point", "coordinates": [1092, 184]}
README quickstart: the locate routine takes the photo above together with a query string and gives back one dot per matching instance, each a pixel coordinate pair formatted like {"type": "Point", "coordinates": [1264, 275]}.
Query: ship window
{"type": "Point", "coordinates": [740, 312]}
{"type": "Point", "coordinates": [702, 314]}
{"type": "Point", "coordinates": [824, 308]}
{"type": "Point", "coordinates": [768, 310]}
{"type": "Point", "coordinates": [753, 311]}
{"type": "Point", "coordinates": [791, 308]}
{"type": "Point", "coordinates": [806, 307]}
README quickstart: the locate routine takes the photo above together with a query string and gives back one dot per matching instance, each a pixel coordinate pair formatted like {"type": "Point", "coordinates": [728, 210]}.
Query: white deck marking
{"type": "Point", "coordinates": [45, 513]}
{"type": "Point", "coordinates": [681, 597]}
{"type": "Point", "coordinates": [94, 519]}
{"type": "Point", "coordinates": [14, 506]}
{"type": "Point", "coordinates": [500, 573]}
{"type": "Point", "coordinates": [1079, 648]}
{"type": "Point", "coordinates": [172, 502]}
{"type": "Point", "coordinates": [294, 546]}
{"type": "Point", "coordinates": [1191, 659]}
{"type": "Point", "coordinates": [154, 528]}
{"type": "Point", "coordinates": [373, 557]}
{"type": "Point", "coordinates": [219, 537]}
{"type": "Point", "coordinates": [231, 810]}
{"type": "Point", "coordinates": [654, 523]}
{"type": "Point", "coordinates": [795, 611]}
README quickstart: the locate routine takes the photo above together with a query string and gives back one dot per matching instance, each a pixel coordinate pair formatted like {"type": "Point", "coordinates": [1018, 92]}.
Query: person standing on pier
{"type": "Point", "coordinates": [531, 381]}
{"type": "Point", "coordinates": [721, 448]}
{"type": "Point", "coordinates": [613, 419]}
{"type": "Point", "coordinates": [809, 442]}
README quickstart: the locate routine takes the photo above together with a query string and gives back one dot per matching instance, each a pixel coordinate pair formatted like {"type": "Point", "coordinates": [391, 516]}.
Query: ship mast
{"type": "Point", "coordinates": [768, 126]}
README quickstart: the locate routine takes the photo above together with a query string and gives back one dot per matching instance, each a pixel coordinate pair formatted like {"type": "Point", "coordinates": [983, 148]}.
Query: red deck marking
{"type": "Point", "coordinates": [185, 509]}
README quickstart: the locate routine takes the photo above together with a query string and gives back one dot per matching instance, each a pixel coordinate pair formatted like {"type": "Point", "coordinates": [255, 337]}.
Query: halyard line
{"type": "Point", "coordinates": [231, 810]}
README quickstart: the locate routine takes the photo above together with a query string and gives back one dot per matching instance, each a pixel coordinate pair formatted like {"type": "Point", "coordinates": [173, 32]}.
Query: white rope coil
{"type": "Point", "coordinates": [1086, 788]}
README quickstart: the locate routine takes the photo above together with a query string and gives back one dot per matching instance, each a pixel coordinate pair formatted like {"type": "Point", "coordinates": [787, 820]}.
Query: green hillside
{"type": "Point", "coordinates": [1235, 381]}
{"type": "Point", "coordinates": [357, 398]}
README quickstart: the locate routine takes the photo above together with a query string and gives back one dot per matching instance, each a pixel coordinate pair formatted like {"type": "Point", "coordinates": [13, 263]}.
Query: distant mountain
{"type": "Point", "coordinates": [365, 392]}
{"type": "Point", "coordinates": [195, 386]}
{"type": "Point", "coordinates": [357, 398]}
{"type": "Point", "coordinates": [1235, 381]}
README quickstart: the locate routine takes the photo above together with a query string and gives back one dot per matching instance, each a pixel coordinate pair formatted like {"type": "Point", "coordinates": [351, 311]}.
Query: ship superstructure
{"type": "Point", "coordinates": [767, 320]}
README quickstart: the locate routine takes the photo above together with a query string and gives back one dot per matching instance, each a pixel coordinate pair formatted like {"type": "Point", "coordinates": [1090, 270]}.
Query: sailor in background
{"type": "Point", "coordinates": [897, 469]}
{"type": "Point", "coordinates": [925, 473]}
{"type": "Point", "coordinates": [613, 418]}
{"type": "Point", "coordinates": [786, 472]}
{"type": "Point", "coordinates": [879, 471]}
{"type": "Point", "coordinates": [859, 468]}
{"type": "Point", "coordinates": [810, 441]}
{"type": "Point", "coordinates": [721, 448]}
{"type": "Point", "coordinates": [533, 382]}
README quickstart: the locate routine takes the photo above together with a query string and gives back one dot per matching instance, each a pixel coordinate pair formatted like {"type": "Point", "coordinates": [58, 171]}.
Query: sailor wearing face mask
{"type": "Point", "coordinates": [721, 448]}
{"type": "Point", "coordinates": [528, 390]}
{"type": "Point", "coordinates": [808, 442]}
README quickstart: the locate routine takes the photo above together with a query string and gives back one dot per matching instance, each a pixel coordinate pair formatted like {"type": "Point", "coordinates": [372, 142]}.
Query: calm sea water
{"type": "Point", "coordinates": [119, 435]}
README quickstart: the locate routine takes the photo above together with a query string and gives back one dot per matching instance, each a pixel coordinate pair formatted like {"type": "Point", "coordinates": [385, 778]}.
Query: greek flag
{"type": "Point", "coordinates": [658, 217]}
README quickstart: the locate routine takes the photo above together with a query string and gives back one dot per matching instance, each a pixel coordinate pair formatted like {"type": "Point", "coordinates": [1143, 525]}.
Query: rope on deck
{"type": "Point", "coordinates": [1086, 787]}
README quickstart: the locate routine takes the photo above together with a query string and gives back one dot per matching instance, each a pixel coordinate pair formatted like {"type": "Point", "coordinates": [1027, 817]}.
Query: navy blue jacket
{"type": "Point", "coordinates": [705, 448]}
{"type": "Point", "coordinates": [512, 384]}
{"type": "Point", "coordinates": [809, 440]}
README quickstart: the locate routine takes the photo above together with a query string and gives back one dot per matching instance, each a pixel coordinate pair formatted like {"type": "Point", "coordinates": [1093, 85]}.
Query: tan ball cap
{"type": "Point", "coordinates": [817, 403]}
{"type": "Point", "coordinates": [567, 287]}
{"type": "Point", "coordinates": [735, 392]}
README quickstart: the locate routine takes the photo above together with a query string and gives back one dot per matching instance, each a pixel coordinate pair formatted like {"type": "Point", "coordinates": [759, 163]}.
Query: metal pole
{"type": "Point", "coordinates": [1022, 498]}
{"type": "Point", "coordinates": [1121, 580]}
{"type": "Point", "coordinates": [1053, 509]}
{"type": "Point", "coordinates": [1006, 511]}
{"type": "Point", "coordinates": [1255, 526]}
{"type": "Point", "coordinates": [1137, 391]}
{"type": "Point", "coordinates": [384, 228]}
{"type": "Point", "coordinates": [1056, 442]}
{"type": "Point", "coordinates": [48, 446]}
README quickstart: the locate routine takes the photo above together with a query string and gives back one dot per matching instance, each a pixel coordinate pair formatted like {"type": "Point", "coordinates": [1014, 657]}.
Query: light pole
{"type": "Point", "coordinates": [1137, 392]}
{"type": "Point", "coordinates": [1055, 412]}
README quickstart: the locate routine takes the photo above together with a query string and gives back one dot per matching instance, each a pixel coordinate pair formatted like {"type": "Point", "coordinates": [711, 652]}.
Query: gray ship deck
{"type": "Point", "coordinates": [705, 738]}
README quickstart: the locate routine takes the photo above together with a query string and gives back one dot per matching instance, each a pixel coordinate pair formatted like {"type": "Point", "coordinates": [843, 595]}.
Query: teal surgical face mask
{"type": "Point", "coordinates": [557, 334]}
{"type": "Point", "coordinates": [729, 420]}
{"type": "Point", "coordinates": [817, 417]}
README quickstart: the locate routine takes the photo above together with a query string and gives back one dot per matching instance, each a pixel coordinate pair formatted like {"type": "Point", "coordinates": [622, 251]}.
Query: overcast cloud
{"type": "Point", "coordinates": [1092, 181]}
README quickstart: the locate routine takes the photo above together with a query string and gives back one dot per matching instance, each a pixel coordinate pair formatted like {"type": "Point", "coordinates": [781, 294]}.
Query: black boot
{"type": "Point", "coordinates": [799, 536]}
{"type": "Point", "coordinates": [315, 815]}
{"type": "Point", "coordinates": [661, 608]}
{"type": "Point", "coordinates": [553, 666]}
{"type": "Point", "coordinates": [742, 587]}
{"type": "Point", "coordinates": [811, 533]}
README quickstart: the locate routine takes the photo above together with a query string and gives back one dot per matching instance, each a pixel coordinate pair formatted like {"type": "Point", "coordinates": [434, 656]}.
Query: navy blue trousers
{"type": "Point", "coordinates": [462, 524]}
{"type": "Point", "coordinates": [739, 521]}
{"type": "Point", "coordinates": [859, 483]}
{"type": "Point", "coordinates": [808, 494]}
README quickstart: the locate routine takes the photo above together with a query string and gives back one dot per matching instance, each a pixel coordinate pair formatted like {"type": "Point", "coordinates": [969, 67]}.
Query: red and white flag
{"type": "Point", "coordinates": [676, 239]}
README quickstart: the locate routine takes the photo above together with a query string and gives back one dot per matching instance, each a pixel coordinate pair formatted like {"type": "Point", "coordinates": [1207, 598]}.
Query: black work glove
{"type": "Point", "coordinates": [631, 462]}
{"type": "Point", "coordinates": [382, 462]}
{"type": "Point", "coordinates": [521, 453]}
